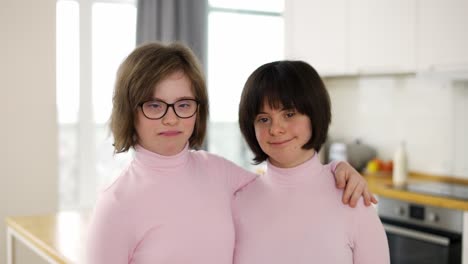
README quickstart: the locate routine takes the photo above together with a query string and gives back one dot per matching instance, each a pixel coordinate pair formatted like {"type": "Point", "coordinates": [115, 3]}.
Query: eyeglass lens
{"type": "Point", "coordinates": [156, 109]}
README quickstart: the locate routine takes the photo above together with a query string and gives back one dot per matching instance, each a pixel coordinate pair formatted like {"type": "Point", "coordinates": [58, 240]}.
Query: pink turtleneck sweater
{"type": "Point", "coordinates": [296, 216]}
{"type": "Point", "coordinates": [163, 209]}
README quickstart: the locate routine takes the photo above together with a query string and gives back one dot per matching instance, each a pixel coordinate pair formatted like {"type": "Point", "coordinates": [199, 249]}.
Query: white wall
{"type": "Point", "coordinates": [429, 112]}
{"type": "Point", "coordinates": [28, 176]}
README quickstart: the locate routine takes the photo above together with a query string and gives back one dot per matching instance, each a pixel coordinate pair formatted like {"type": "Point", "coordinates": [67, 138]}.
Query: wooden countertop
{"type": "Point", "coordinates": [381, 184]}
{"type": "Point", "coordinates": [61, 236]}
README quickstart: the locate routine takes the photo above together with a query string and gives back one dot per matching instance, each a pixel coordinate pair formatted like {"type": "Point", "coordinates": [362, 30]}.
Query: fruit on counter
{"type": "Point", "coordinates": [373, 166]}
{"type": "Point", "coordinates": [376, 165]}
{"type": "Point", "coordinates": [387, 166]}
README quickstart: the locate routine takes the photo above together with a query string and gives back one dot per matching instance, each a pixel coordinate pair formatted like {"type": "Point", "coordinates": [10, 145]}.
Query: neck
{"type": "Point", "coordinates": [168, 151]}
{"type": "Point", "coordinates": [152, 159]}
{"type": "Point", "coordinates": [294, 176]}
{"type": "Point", "coordinates": [291, 162]}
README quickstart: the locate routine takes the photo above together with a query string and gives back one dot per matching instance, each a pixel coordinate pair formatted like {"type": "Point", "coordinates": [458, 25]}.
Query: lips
{"type": "Point", "coordinates": [279, 142]}
{"type": "Point", "coordinates": [170, 133]}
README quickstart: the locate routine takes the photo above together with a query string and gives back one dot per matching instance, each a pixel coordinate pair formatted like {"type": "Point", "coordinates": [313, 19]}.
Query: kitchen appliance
{"type": "Point", "coordinates": [451, 190]}
{"type": "Point", "coordinates": [356, 153]}
{"type": "Point", "coordinates": [421, 234]}
{"type": "Point", "coordinates": [337, 151]}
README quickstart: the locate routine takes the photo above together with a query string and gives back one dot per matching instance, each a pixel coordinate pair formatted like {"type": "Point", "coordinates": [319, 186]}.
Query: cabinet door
{"type": "Point", "coordinates": [315, 32]}
{"type": "Point", "coordinates": [442, 35]}
{"type": "Point", "coordinates": [382, 36]}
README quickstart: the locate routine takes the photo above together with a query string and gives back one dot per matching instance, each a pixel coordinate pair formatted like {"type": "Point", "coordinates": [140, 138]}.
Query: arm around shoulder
{"type": "Point", "coordinates": [236, 176]}
{"type": "Point", "coordinates": [239, 177]}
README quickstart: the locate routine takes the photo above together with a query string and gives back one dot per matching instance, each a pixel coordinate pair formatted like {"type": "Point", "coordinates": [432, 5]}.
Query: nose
{"type": "Point", "coordinates": [276, 128]}
{"type": "Point", "coordinates": [170, 118]}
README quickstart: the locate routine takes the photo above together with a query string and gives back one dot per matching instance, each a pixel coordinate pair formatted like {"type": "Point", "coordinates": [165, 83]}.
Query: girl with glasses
{"type": "Point", "coordinates": [172, 204]}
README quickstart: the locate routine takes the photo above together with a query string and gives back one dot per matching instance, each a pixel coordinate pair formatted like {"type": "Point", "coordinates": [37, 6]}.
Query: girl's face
{"type": "Point", "coordinates": [168, 135]}
{"type": "Point", "coordinates": [281, 133]}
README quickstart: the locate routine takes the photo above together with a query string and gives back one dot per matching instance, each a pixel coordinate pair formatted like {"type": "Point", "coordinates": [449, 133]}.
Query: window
{"type": "Point", "coordinates": [93, 37]}
{"type": "Point", "coordinates": [242, 35]}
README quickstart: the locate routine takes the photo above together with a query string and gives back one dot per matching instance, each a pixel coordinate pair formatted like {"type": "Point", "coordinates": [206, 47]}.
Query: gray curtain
{"type": "Point", "coordinates": [174, 20]}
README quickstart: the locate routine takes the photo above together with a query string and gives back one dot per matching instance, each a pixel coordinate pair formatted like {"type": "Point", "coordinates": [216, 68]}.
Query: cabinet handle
{"type": "Point", "coordinates": [423, 236]}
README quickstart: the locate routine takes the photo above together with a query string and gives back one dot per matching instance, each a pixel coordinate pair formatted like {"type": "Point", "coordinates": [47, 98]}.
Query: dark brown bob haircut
{"type": "Point", "coordinates": [286, 85]}
{"type": "Point", "coordinates": [137, 76]}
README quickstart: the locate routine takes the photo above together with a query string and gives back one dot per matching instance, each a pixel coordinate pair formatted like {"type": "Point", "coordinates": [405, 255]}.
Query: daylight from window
{"type": "Point", "coordinates": [242, 35]}
{"type": "Point", "coordinates": [86, 74]}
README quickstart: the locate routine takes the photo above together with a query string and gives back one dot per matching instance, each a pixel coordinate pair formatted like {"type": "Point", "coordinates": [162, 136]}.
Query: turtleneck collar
{"type": "Point", "coordinates": [157, 161]}
{"type": "Point", "coordinates": [298, 175]}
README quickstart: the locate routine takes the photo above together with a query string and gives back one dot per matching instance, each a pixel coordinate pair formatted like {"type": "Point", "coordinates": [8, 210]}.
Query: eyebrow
{"type": "Point", "coordinates": [177, 99]}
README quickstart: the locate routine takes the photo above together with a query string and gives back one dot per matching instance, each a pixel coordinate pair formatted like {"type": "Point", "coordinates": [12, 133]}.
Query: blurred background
{"type": "Point", "coordinates": [397, 71]}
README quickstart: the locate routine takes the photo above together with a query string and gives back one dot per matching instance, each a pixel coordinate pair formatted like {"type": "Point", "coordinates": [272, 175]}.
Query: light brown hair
{"type": "Point", "coordinates": [137, 76]}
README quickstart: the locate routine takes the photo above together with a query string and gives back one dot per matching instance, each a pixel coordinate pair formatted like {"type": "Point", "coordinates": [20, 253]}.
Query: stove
{"type": "Point", "coordinates": [418, 233]}
{"type": "Point", "coordinates": [450, 190]}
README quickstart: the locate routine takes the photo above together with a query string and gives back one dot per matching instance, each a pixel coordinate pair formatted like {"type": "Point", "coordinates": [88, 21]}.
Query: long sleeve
{"type": "Point", "coordinates": [238, 176]}
{"type": "Point", "coordinates": [370, 242]}
{"type": "Point", "coordinates": [108, 236]}
{"type": "Point", "coordinates": [165, 209]}
{"type": "Point", "coordinates": [310, 224]}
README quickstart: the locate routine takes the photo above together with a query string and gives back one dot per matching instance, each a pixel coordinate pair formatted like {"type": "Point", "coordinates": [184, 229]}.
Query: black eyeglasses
{"type": "Point", "coordinates": [157, 109]}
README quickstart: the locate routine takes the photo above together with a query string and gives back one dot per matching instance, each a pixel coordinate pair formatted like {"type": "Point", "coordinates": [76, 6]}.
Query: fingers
{"type": "Point", "coordinates": [340, 179]}
{"type": "Point", "coordinates": [367, 197]}
{"type": "Point", "coordinates": [358, 192]}
{"type": "Point", "coordinates": [355, 185]}
{"type": "Point", "coordinates": [350, 189]}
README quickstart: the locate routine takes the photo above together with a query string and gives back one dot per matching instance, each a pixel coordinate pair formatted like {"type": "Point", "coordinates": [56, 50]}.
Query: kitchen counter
{"type": "Point", "coordinates": [381, 185]}
{"type": "Point", "coordinates": [58, 238]}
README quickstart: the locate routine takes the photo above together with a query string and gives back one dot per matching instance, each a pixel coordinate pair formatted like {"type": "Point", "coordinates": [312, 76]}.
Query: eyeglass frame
{"type": "Point", "coordinates": [169, 106]}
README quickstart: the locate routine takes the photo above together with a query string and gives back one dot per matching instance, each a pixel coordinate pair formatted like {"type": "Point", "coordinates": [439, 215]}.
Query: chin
{"type": "Point", "coordinates": [176, 147]}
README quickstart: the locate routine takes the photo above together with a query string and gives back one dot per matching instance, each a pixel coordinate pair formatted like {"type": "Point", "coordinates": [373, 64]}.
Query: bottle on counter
{"type": "Point", "coordinates": [400, 166]}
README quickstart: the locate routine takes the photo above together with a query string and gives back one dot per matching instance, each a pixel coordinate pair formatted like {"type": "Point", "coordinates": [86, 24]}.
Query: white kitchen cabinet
{"type": "Point", "coordinates": [347, 37]}
{"type": "Point", "coordinates": [381, 36]}
{"type": "Point", "coordinates": [316, 32]}
{"type": "Point", "coordinates": [442, 35]}
{"type": "Point", "coordinates": [342, 37]}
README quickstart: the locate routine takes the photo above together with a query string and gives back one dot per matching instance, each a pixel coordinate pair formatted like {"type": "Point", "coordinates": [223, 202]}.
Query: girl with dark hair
{"type": "Point", "coordinates": [292, 214]}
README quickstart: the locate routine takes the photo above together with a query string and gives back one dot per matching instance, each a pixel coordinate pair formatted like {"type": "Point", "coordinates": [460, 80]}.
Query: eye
{"type": "Point", "coordinates": [262, 120]}
{"type": "Point", "coordinates": [290, 114]}
{"type": "Point", "coordinates": [153, 105]}
{"type": "Point", "coordinates": [185, 104]}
